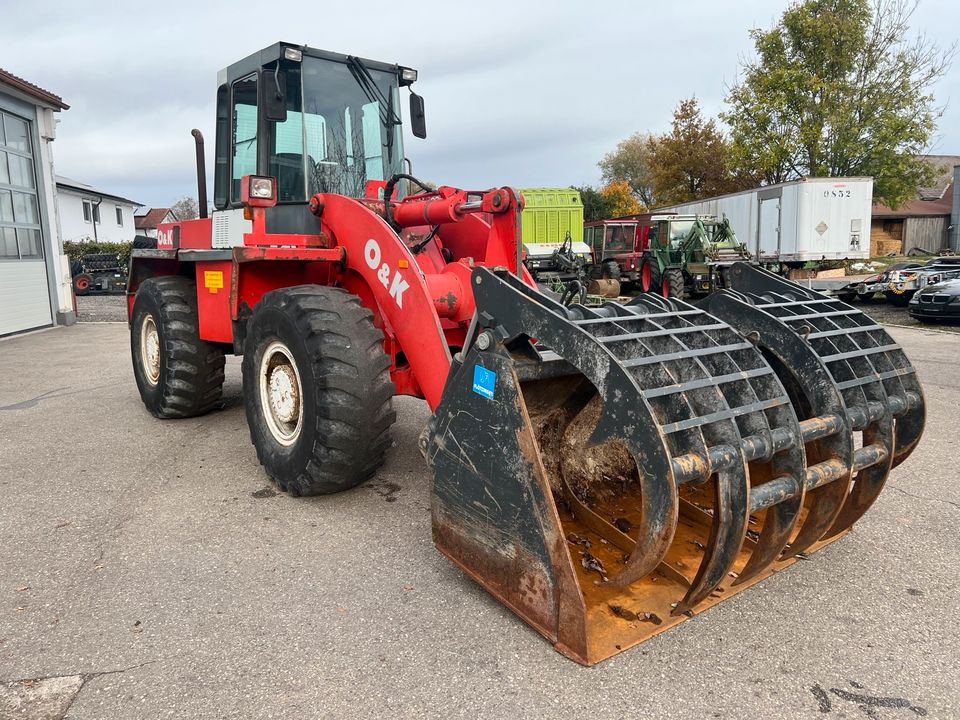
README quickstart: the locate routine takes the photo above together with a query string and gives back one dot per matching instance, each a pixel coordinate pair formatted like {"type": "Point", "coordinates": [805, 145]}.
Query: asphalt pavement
{"type": "Point", "coordinates": [149, 570]}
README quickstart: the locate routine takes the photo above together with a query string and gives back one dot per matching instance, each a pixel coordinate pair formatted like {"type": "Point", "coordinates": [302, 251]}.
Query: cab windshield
{"type": "Point", "coordinates": [342, 130]}
{"type": "Point", "coordinates": [679, 230]}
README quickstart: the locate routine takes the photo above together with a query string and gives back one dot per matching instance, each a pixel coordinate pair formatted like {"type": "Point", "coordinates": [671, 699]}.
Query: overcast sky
{"type": "Point", "coordinates": [525, 93]}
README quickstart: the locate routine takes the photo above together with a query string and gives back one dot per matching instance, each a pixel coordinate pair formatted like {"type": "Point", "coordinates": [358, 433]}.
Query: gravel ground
{"type": "Point", "coordinates": [887, 314]}
{"type": "Point", "coordinates": [102, 308]}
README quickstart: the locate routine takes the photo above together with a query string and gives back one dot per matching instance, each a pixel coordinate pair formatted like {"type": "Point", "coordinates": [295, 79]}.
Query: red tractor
{"type": "Point", "coordinates": [604, 471]}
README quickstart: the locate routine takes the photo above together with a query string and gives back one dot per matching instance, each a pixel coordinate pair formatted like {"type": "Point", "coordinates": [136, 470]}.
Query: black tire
{"type": "Point", "coordinates": [847, 297]}
{"type": "Point", "coordinates": [82, 283]}
{"type": "Point", "coordinates": [610, 270]}
{"type": "Point", "coordinates": [672, 283]}
{"type": "Point", "coordinates": [654, 277]}
{"type": "Point", "coordinates": [142, 242]}
{"type": "Point", "coordinates": [323, 340]}
{"type": "Point", "coordinates": [187, 379]}
{"type": "Point", "coordinates": [901, 300]}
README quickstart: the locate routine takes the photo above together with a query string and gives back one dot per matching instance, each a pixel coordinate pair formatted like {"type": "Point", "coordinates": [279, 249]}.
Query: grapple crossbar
{"type": "Point", "coordinates": [608, 471]}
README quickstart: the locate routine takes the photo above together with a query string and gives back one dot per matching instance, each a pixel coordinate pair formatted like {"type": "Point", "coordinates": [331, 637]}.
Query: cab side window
{"type": "Point", "coordinates": [244, 142]}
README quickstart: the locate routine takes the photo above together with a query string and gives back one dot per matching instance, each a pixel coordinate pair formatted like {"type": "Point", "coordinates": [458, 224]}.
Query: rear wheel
{"type": "Point", "coordinates": [649, 274]}
{"type": "Point", "coordinates": [178, 374]}
{"type": "Point", "coordinates": [317, 389]}
{"type": "Point", "coordinates": [672, 283]}
{"type": "Point", "coordinates": [82, 283]}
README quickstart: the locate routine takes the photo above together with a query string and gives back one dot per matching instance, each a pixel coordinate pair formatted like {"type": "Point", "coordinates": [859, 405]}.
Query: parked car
{"type": "Point", "coordinates": [937, 302]}
{"type": "Point", "coordinates": [902, 284]}
{"type": "Point", "coordinates": [865, 289]}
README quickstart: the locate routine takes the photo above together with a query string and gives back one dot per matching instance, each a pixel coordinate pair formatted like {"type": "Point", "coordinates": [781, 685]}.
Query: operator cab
{"type": "Point", "coordinates": [317, 121]}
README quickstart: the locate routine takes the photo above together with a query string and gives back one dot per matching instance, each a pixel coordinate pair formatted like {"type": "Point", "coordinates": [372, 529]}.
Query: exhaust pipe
{"type": "Point", "coordinates": [201, 173]}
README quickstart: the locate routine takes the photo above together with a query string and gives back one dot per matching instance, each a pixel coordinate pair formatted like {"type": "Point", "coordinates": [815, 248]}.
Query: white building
{"type": "Point", "coordinates": [35, 284]}
{"type": "Point", "coordinates": [87, 213]}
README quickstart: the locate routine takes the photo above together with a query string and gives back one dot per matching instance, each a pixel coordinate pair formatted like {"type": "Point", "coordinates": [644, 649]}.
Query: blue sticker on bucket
{"type": "Point", "coordinates": [484, 381]}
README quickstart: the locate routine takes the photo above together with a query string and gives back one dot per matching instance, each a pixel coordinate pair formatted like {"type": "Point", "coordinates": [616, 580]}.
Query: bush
{"type": "Point", "coordinates": [76, 250]}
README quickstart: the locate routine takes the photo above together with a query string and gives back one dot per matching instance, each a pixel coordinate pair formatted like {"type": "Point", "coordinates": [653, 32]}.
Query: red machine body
{"type": "Point", "coordinates": [415, 280]}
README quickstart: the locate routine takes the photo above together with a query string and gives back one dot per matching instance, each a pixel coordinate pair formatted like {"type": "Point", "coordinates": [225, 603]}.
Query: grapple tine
{"type": "Point", "coordinates": [731, 513]}
{"type": "Point", "coordinates": [778, 525]}
{"type": "Point", "coordinates": [868, 482]}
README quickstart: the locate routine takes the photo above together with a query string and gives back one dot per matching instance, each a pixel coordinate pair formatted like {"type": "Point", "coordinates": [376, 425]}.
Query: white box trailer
{"type": "Point", "coordinates": [799, 221]}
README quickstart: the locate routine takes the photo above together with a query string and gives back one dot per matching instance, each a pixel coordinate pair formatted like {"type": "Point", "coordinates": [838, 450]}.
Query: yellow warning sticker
{"type": "Point", "coordinates": [213, 280]}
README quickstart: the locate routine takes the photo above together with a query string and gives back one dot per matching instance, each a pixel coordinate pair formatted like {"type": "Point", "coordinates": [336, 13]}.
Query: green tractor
{"type": "Point", "coordinates": [686, 255]}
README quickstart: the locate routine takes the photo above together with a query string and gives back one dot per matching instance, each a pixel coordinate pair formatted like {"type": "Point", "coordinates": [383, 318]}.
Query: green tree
{"type": "Point", "coordinates": [630, 162]}
{"type": "Point", "coordinates": [838, 89]}
{"type": "Point", "coordinates": [691, 161]}
{"type": "Point", "coordinates": [595, 205]}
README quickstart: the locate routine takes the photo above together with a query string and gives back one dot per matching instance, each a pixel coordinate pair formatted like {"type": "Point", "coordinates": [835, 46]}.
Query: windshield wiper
{"type": "Point", "coordinates": [388, 117]}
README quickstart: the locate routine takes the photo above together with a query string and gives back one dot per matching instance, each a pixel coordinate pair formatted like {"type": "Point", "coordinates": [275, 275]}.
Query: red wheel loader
{"type": "Point", "coordinates": [604, 471]}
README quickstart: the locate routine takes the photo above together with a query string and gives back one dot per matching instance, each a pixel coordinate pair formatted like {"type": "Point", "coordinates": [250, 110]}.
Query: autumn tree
{"type": "Point", "coordinates": [630, 163]}
{"type": "Point", "coordinates": [186, 208]}
{"type": "Point", "coordinates": [691, 161]}
{"type": "Point", "coordinates": [620, 199]}
{"type": "Point", "coordinates": [838, 89]}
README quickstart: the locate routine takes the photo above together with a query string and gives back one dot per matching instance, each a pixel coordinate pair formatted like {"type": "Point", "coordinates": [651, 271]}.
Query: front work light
{"type": "Point", "coordinates": [258, 191]}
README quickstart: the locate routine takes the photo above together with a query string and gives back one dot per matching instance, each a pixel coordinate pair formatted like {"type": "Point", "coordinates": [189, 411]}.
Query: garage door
{"type": "Point", "coordinates": [24, 294]}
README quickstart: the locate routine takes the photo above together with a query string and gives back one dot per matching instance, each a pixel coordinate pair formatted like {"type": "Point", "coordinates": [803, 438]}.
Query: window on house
{"type": "Point", "coordinates": [119, 216]}
{"type": "Point", "coordinates": [91, 210]}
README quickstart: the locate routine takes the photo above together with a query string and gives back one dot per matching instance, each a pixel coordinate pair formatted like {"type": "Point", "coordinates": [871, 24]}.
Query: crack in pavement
{"type": "Point", "coordinates": [924, 497]}
{"type": "Point", "coordinates": [85, 678]}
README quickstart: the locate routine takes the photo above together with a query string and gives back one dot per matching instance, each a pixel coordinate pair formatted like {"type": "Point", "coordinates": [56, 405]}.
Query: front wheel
{"type": "Point", "coordinates": [610, 270]}
{"type": "Point", "coordinates": [672, 283]}
{"type": "Point", "coordinates": [317, 389]}
{"type": "Point", "coordinates": [649, 274]}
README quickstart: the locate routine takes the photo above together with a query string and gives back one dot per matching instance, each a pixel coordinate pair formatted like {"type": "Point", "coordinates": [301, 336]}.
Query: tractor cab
{"type": "Point", "coordinates": [316, 121]}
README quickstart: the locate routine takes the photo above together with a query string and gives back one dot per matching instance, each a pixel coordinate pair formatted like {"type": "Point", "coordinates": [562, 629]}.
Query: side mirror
{"type": "Point", "coordinates": [273, 95]}
{"type": "Point", "coordinates": [418, 120]}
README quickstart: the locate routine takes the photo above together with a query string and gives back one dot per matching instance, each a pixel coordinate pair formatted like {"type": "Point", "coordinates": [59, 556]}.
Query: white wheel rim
{"type": "Point", "coordinates": [280, 393]}
{"type": "Point", "coordinates": [150, 349]}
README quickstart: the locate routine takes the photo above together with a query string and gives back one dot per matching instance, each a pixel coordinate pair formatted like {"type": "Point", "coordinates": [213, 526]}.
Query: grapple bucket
{"type": "Point", "coordinates": [608, 472]}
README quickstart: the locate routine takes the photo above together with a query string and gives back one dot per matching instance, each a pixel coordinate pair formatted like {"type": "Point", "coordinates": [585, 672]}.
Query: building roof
{"type": "Point", "coordinates": [152, 218]}
{"type": "Point", "coordinates": [76, 186]}
{"type": "Point", "coordinates": [35, 91]}
{"type": "Point", "coordinates": [944, 165]}
{"type": "Point", "coordinates": [918, 208]}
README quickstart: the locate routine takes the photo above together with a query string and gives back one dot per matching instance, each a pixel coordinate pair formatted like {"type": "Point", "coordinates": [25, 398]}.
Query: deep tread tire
{"type": "Point", "coordinates": [672, 283]}
{"type": "Point", "coordinates": [190, 378]}
{"type": "Point", "coordinates": [654, 269]}
{"type": "Point", "coordinates": [345, 389]}
{"type": "Point", "coordinates": [610, 270]}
